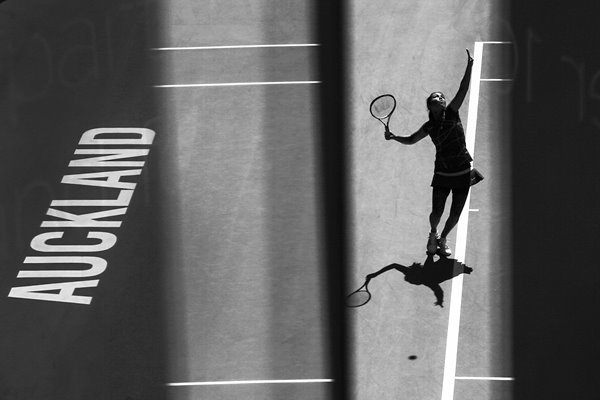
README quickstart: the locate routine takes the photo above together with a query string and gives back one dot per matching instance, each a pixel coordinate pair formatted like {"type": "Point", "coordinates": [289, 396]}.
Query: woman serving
{"type": "Point", "coordinates": [452, 171]}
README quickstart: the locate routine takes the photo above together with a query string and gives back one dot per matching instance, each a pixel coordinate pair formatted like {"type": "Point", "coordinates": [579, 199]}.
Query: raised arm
{"type": "Point", "coordinates": [412, 139]}
{"type": "Point", "coordinates": [395, 266]}
{"type": "Point", "coordinates": [464, 85]}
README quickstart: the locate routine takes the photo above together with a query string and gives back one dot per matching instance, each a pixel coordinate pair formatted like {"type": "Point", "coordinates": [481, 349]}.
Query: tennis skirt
{"type": "Point", "coordinates": [456, 181]}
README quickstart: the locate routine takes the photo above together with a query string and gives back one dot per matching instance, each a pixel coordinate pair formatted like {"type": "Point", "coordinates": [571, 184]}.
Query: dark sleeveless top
{"type": "Point", "coordinates": [448, 136]}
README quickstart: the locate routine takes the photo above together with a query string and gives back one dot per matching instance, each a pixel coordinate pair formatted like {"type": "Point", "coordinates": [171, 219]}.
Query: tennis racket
{"type": "Point", "coordinates": [359, 297]}
{"type": "Point", "coordinates": [382, 108]}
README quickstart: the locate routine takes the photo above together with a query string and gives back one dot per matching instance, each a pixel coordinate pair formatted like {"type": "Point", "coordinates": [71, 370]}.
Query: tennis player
{"type": "Point", "coordinates": [452, 170]}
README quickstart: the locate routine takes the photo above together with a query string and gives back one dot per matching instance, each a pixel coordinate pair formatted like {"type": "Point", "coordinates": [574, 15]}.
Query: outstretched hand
{"type": "Point", "coordinates": [469, 58]}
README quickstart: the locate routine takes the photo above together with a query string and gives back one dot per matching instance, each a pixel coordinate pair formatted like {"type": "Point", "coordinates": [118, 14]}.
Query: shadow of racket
{"type": "Point", "coordinates": [359, 297]}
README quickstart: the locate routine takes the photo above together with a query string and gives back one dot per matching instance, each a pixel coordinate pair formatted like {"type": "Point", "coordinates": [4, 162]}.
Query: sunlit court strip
{"type": "Point", "coordinates": [237, 84]}
{"type": "Point", "coordinates": [251, 382]}
{"type": "Point", "coordinates": [241, 46]}
{"type": "Point", "coordinates": [196, 85]}
{"type": "Point", "coordinates": [449, 379]}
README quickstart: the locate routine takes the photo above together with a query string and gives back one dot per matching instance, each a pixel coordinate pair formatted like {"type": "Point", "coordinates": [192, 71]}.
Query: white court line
{"type": "Point", "coordinates": [495, 80]}
{"type": "Point", "coordinates": [192, 85]}
{"type": "Point", "coordinates": [461, 234]}
{"type": "Point", "coordinates": [257, 382]}
{"type": "Point", "coordinates": [484, 378]}
{"type": "Point", "coordinates": [244, 46]}
{"type": "Point", "coordinates": [461, 238]}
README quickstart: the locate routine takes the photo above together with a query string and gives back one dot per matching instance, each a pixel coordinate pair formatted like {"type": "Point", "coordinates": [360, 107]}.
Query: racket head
{"type": "Point", "coordinates": [383, 106]}
{"type": "Point", "coordinates": [359, 297]}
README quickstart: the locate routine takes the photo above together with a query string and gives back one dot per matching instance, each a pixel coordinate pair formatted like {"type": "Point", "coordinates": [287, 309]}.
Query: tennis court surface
{"type": "Point", "coordinates": [163, 213]}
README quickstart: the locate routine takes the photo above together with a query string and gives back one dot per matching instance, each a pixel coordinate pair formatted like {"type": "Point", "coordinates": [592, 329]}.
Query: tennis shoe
{"type": "Point", "coordinates": [432, 243]}
{"type": "Point", "coordinates": [444, 250]}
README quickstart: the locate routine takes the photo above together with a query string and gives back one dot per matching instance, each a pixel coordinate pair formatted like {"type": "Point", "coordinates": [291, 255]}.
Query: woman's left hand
{"type": "Point", "coordinates": [469, 58]}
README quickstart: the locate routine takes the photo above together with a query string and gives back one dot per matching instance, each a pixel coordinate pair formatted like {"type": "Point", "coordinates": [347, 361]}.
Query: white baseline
{"type": "Point", "coordinates": [254, 382]}
{"type": "Point", "coordinates": [242, 46]}
{"type": "Point", "coordinates": [228, 84]}
{"type": "Point", "coordinates": [484, 378]}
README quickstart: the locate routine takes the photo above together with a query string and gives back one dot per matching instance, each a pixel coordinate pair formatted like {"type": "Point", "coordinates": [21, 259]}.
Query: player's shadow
{"type": "Point", "coordinates": [431, 273]}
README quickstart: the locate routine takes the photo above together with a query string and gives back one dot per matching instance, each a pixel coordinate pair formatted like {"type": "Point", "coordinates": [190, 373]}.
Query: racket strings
{"type": "Point", "coordinates": [383, 106]}
{"type": "Point", "coordinates": [358, 298]}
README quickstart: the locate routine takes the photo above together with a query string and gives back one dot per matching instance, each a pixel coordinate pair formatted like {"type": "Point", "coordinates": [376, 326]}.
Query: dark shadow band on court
{"type": "Point", "coordinates": [68, 67]}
